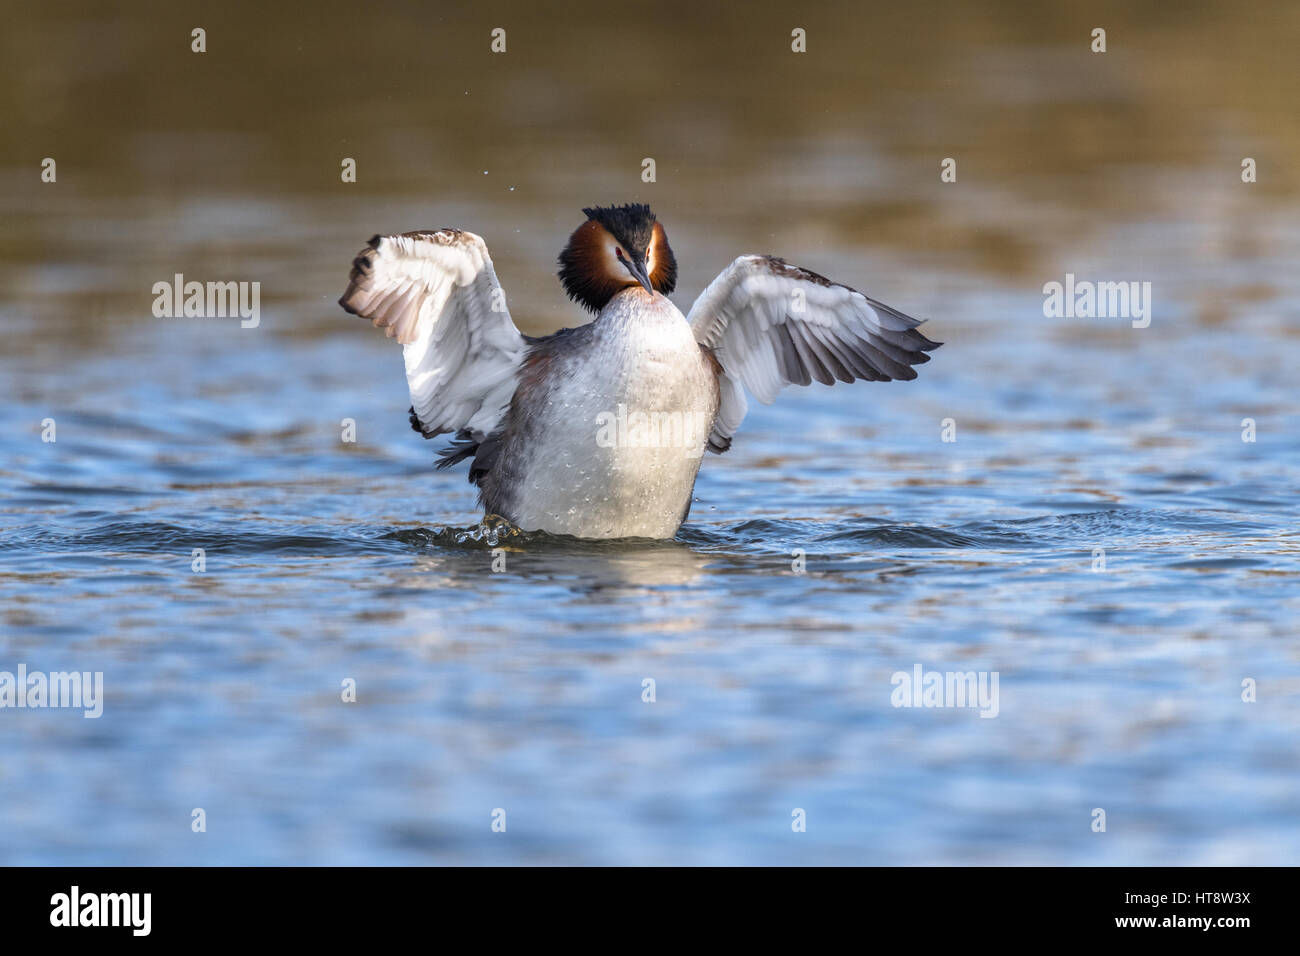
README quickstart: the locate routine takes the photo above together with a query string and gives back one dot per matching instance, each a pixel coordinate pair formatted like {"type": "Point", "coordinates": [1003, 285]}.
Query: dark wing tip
{"type": "Point", "coordinates": [427, 432]}
{"type": "Point", "coordinates": [363, 267]}
{"type": "Point", "coordinates": [925, 344]}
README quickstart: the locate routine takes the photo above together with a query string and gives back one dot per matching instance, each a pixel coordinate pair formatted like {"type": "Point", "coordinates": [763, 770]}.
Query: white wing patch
{"type": "Point", "coordinates": [771, 324]}
{"type": "Point", "coordinates": [438, 295]}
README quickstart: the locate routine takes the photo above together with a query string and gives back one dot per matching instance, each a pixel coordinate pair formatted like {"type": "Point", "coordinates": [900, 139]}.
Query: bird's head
{"type": "Point", "coordinates": [616, 248]}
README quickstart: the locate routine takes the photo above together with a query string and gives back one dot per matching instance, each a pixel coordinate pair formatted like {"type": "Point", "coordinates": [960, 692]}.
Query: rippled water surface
{"type": "Point", "coordinates": [1099, 533]}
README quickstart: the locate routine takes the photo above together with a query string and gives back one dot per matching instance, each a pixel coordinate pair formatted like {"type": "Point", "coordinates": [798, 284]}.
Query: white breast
{"type": "Point", "coordinates": [616, 451]}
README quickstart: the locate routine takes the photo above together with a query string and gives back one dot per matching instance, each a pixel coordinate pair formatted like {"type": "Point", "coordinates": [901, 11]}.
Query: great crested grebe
{"type": "Point", "coordinates": [598, 431]}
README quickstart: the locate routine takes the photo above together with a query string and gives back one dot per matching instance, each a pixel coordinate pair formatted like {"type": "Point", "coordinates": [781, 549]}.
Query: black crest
{"type": "Point", "coordinates": [632, 224]}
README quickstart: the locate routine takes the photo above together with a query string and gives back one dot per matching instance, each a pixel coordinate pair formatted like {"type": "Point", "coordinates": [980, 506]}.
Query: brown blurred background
{"type": "Point", "coordinates": [228, 162]}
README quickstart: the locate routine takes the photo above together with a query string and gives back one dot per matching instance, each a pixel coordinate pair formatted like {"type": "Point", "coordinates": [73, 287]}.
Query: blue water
{"type": "Point", "coordinates": [522, 690]}
{"type": "Point", "coordinates": [1098, 534]}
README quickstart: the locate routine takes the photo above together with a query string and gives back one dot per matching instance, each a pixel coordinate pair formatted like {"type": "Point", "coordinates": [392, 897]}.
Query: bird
{"type": "Point", "coordinates": [598, 431]}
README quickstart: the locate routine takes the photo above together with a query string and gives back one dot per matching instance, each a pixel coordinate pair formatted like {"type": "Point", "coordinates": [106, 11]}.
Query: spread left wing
{"type": "Point", "coordinates": [438, 295]}
{"type": "Point", "coordinates": [771, 324]}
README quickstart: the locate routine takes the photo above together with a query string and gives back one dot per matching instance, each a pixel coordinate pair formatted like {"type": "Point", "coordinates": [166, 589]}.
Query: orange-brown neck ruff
{"type": "Point", "coordinates": [660, 263]}
{"type": "Point", "coordinates": [589, 271]}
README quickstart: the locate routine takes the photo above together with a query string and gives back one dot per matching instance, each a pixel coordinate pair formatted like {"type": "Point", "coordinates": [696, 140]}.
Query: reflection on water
{"type": "Point", "coordinates": [1099, 532]}
{"type": "Point", "coordinates": [632, 569]}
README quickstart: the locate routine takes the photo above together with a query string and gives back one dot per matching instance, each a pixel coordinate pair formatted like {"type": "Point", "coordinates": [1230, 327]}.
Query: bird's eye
{"type": "Point", "coordinates": [618, 252]}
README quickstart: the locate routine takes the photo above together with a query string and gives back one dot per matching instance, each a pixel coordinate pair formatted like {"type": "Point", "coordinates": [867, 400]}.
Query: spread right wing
{"type": "Point", "coordinates": [771, 324]}
{"type": "Point", "coordinates": [438, 295]}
